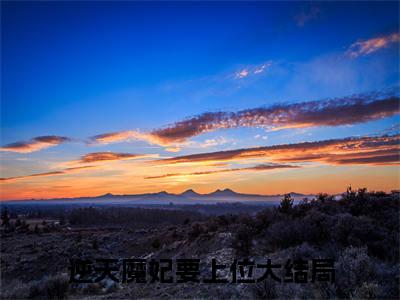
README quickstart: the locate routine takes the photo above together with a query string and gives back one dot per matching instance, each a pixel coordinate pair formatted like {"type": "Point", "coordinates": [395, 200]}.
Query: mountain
{"type": "Point", "coordinates": [293, 194]}
{"type": "Point", "coordinates": [161, 198]}
{"type": "Point", "coordinates": [190, 193]}
{"type": "Point", "coordinates": [224, 193]}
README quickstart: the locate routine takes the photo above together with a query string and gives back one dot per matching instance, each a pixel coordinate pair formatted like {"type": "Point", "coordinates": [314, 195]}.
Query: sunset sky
{"type": "Point", "coordinates": [137, 97]}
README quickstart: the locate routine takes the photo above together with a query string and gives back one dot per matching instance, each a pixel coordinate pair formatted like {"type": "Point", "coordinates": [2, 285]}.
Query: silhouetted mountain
{"type": "Point", "coordinates": [190, 193]}
{"type": "Point", "coordinates": [163, 197]}
{"type": "Point", "coordinates": [224, 193]}
{"type": "Point", "coordinates": [293, 194]}
{"type": "Point", "coordinates": [105, 195]}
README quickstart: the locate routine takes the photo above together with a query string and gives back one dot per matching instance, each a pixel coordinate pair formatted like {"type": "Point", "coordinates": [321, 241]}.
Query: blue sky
{"type": "Point", "coordinates": [80, 69]}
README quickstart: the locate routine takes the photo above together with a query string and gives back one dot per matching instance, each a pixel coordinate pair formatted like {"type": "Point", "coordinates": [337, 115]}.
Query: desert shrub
{"type": "Point", "coordinates": [212, 226]}
{"type": "Point", "coordinates": [361, 231]}
{"type": "Point", "coordinates": [226, 220]}
{"type": "Point", "coordinates": [367, 291]}
{"type": "Point", "coordinates": [245, 219]}
{"type": "Point", "coordinates": [281, 235]}
{"type": "Point", "coordinates": [265, 289]}
{"type": "Point", "coordinates": [49, 287]}
{"type": "Point", "coordinates": [304, 251]}
{"type": "Point", "coordinates": [267, 217]}
{"type": "Point", "coordinates": [14, 290]}
{"type": "Point", "coordinates": [315, 228]}
{"type": "Point", "coordinates": [354, 268]}
{"type": "Point", "coordinates": [56, 287]}
{"type": "Point", "coordinates": [133, 216]}
{"type": "Point", "coordinates": [195, 231]}
{"type": "Point", "coordinates": [243, 240]}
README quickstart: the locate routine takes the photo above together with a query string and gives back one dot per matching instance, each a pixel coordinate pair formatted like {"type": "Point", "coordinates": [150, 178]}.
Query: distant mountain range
{"type": "Point", "coordinates": [163, 197]}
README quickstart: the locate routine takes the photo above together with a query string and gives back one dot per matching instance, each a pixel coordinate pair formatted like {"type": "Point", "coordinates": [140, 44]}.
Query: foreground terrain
{"type": "Point", "coordinates": [360, 232]}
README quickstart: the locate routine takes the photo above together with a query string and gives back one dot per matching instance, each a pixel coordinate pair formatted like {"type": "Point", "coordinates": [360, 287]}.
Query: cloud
{"type": "Point", "coordinates": [209, 143]}
{"type": "Point", "coordinates": [306, 16]}
{"type": "Point", "coordinates": [35, 144]}
{"type": "Point", "coordinates": [242, 74]}
{"type": "Point", "coordinates": [356, 150]}
{"type": "Point", "coordinates": [366, 47]}
{"type": "Point", "coordinates": [258, 136]}
{"type": "Point", "coordinates": [173, 149]}
{"type": "Point", "coordinates": [262, 167]}
{"type": "Point", "coordinates": [122, 136]}
{"type": "Point", "coordinates": [252, 70]}
{"type": "Point", "coordinates": [45, 174]}
{"type": "Point", "coordinates": [107, 156]}
{"type": "Point", "coordinates": [331, 112]}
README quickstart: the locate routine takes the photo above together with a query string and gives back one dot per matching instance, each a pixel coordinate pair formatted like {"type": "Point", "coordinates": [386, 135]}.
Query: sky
{"type": "Point", "coordinates": [140, 97]}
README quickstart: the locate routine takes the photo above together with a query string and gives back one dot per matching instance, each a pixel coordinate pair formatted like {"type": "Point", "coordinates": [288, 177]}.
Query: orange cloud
{"type": "Point", "coordinates": [36, 144]}
{"type": "Point", "coordinates": [360, 150]}
{"type": "Point", "coordinates": [332, 112]}
{"type": "Point", "coordinates": [107, 156]}
{"type": "Point", "coordinates": [62, 172]}
{"type": "Point", "coordinates": [362, 48]}
{"type": "Point", "coordinates": [252, 70]}
{"type": "Point", "coordinates": [262, 167]}
{"type": "Point", "coordinates": [131, 135]}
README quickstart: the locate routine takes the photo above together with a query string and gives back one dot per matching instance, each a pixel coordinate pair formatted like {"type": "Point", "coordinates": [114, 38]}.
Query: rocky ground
{"type": "Point", "coordinates": [28, 259]}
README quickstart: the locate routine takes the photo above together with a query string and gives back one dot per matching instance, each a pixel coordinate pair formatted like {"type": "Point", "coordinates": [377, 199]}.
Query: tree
{"type": "Point", "coordinates": [5, 218]}
{"type": "Point", "coordinates": [286, 204]}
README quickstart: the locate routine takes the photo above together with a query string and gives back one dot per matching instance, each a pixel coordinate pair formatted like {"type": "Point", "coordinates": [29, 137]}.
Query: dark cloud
{"type": "Point", "coordinates": [332, 112]}
{"type": "Point", "coordinates": [35, 144]}
{"type": "Point", "coordinates": [333, 151]}
{"type": "Point", "coordinates": [393, 159]}
{"type": "Point", "coordinates": [105, 156]}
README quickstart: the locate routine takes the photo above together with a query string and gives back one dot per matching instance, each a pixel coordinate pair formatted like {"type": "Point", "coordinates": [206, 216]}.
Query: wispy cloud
{"type": "Point", "coordinates": [252, 70]}
{"type": "Point", "coordinates": [45, 174]}
{"type": "Point", "coordinates": [307, 15]}
{"type": "Point", "coordinates": [109, 156]}
{"type": "Point", "coordinates": [35, 144]}
{"type": "Point", "coordinates": [332, 112]}
{"type": "Point", "coordinates": [358, 150]}
{"type": "Point", "coordinates": [123, 136]}
{"type": "Point", "coordinates": [366, 47]}
{"type": "Point", "coordinates": [242, 73]}
{"type": "Point", "coordinates": [261, 167]}
{"type": "Point", "coordinates": [259, 136]}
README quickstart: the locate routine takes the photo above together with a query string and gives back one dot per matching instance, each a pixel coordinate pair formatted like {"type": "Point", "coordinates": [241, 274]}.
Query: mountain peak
{"type": "Point", "coordinates": [225, 192]}
{"type": "Point", "coordinates": [106, 195]}
{"type": "Point", "coordinates": [162, 193]}
{"type": "Point", "coordinates": [190, 192]}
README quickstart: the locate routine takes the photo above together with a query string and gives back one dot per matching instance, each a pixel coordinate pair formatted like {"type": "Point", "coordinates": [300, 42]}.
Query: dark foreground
{"type": "Point", "coordinates": [360, 233]}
